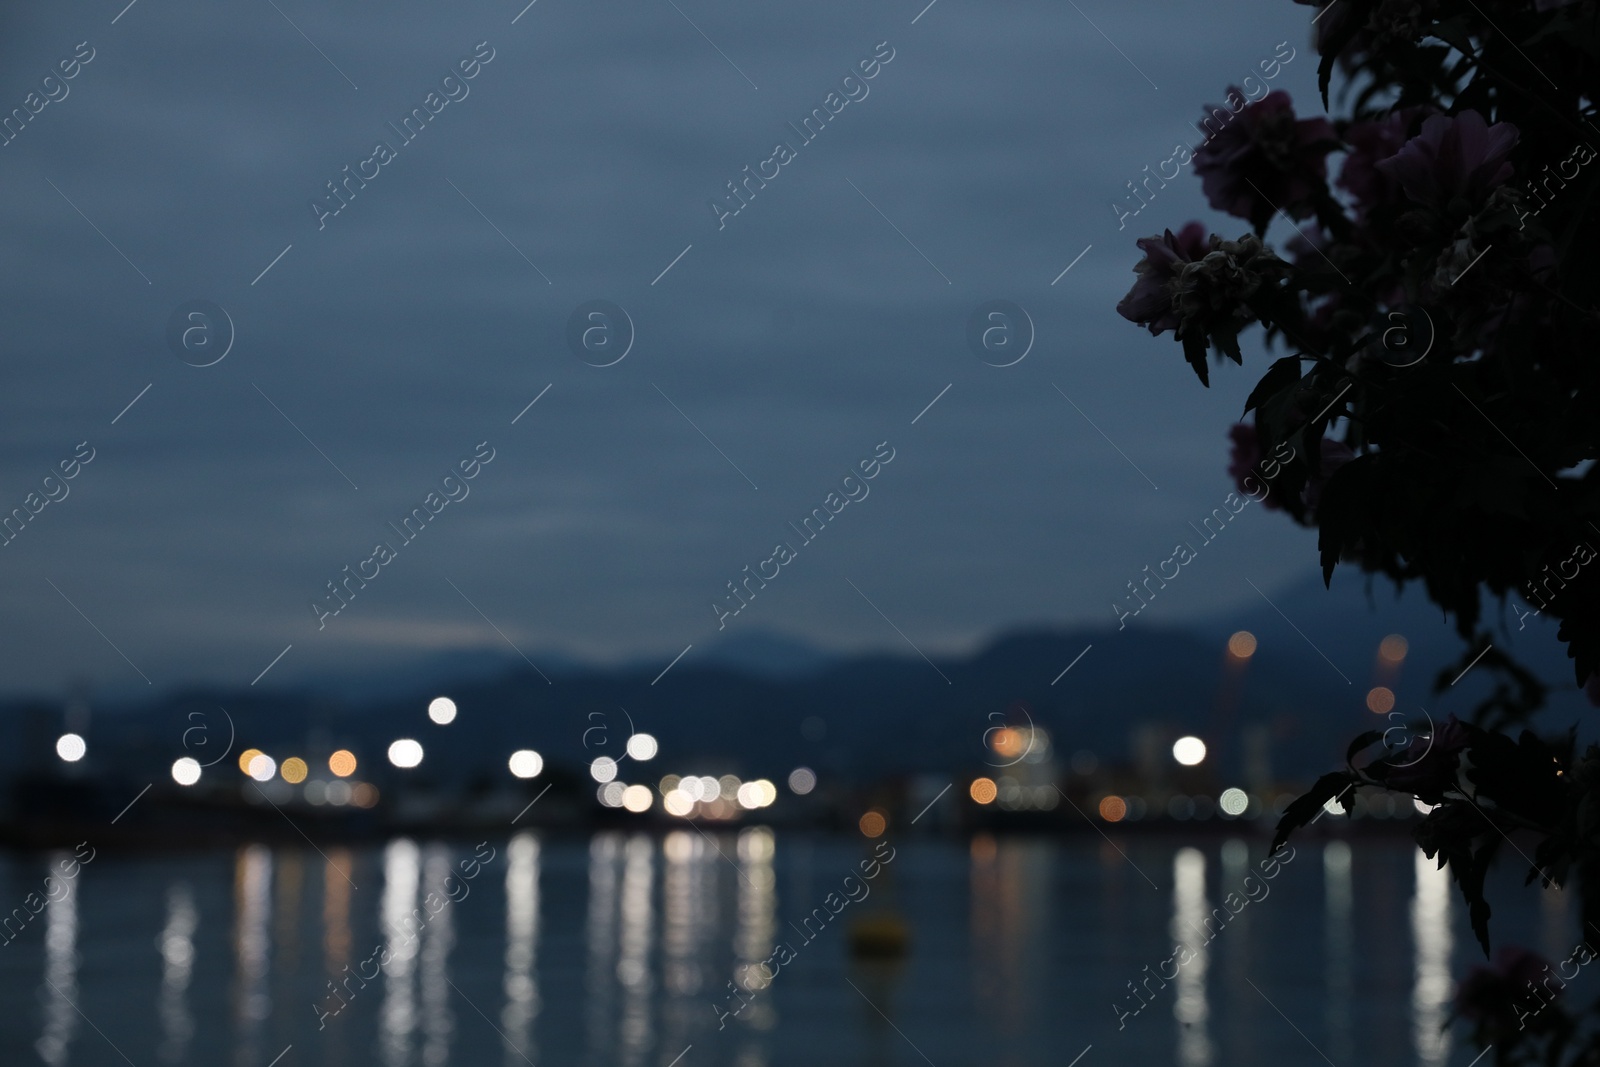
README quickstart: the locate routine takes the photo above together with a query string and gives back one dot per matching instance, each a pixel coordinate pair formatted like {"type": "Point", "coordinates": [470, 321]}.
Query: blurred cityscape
{"type": "Point", "coordinates": [859, 743]}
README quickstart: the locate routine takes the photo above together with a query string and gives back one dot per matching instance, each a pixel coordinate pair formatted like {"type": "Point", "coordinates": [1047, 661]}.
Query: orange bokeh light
{"type": "Point", "coordinates": [983, 790]}
{"type": "Point", "coordinates": [1380, 700]}
{"type": "Point", "coordinates": [1008, 742]}
{"type": "Point", "coordinates": [1242, 645]}
{"type": "Point", "coordinates": [873, 824]}
{"type": "Point", "coordinates": [1112, 809]}
{"type": "Point", "coordinates": [1393, 648]}
{"type": "Point", "coordinates": [342, 763]}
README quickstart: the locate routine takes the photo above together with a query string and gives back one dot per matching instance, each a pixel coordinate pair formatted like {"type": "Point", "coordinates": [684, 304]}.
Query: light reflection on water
{"type": "Point", "coordinates": [521, 987]}
{"type": "Point", "coordinates": [60, 974]}
{"type": "Point", "coordinates": [629, 948]}
{"type": "Point", "coordinates": [1190, 913]}
{"type": "Point", "coordinates": [1430, 930]}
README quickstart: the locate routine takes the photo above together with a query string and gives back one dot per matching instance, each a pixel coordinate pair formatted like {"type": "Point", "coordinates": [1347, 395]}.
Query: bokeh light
{"type": "Point", "coordinates": [364, 795]}
{"type": "Point", "coordinates": [1393, 648]}
{"type": "Point", "coordinates": [642, 747]}
{"type": "Point", "coordinates": [342, 763]}
{"type": "Point", "coordinates": [610, 794]}
{"type": "Point", "coordinates": [1380, 700]}
{"type": "Point", "coordinates": [262, 767]}
{"type": "Point", "coordinates": [603, 769]}
{"type": "Point", "coordinates": [526, 763]}
{"type": "Point", "coordinates": [677, 802]}
{"type": "Point", "coordinates": [71, 747]}
{"type": "Point", "coordinates": [1008, 743]}
{"type": "Point", "coordinates": [246, 758]}
{"type": "Point", "coordinates": [1189, 751]}
{"type": "Point", "coordinates": [983, 790]}
{"type": "Point", "coordinates": [802, 780]}
{"type": "Point", "coordinates": [294, 770]}
{"type": "Point", "coordinates": [1233, 801]}
{"type": "Point", "coordinates": [1242, 645]}
{"type": "Point", "coordinates": [405, 753]}
{"type": "Point", "coordinates": [637, 798]}
{"type": "Point", "coordinates": [873, 823]}
{"type": "Point", "coordinates": [186, 771]}
{"type": "Point", "coordinates": [1113, 809]}
{"type": "Point", "coordinates": [442, 710]}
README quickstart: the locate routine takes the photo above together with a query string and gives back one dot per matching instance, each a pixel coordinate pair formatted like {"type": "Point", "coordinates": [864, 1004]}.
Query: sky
{"type": "Point", "coordinates": [356, 359]}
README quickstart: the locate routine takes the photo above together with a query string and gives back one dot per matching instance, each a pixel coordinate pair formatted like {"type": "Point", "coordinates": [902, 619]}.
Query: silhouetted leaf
{"type": "Point", "coordinates": [1304, 808]}
{"type": "Point", "coordinates": [1360, 743]}
{"type": "Point", "coordinates": [1342, 513]}
{"type": "Point", "coordinates": [1281, 375]}
{"type": "Point", "coordinates": [1194, 350]}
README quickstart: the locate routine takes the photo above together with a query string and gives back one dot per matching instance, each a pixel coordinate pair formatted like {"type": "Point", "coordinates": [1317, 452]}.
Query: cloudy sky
{"type": "Point", "coordinates": [768, 357]}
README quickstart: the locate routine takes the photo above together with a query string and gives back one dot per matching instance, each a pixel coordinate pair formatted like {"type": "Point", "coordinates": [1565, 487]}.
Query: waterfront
{"type": "Point", "coordinates": [619, 948]}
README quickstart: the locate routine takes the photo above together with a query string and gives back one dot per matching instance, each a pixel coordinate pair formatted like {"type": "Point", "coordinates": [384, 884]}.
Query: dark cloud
{"type": "Point", "coordinates": [408, 329]}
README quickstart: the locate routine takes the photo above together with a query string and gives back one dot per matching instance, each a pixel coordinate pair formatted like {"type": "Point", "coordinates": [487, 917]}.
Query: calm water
{"type": "Point", "coordinates": [619, 949]}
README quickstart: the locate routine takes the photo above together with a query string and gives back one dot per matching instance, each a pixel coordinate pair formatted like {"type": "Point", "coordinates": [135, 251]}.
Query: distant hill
{"type": "Point", "coordinates": [760, 704]}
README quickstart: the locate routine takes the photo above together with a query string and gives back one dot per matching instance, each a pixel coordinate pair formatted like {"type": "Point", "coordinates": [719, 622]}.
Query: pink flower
{"type": "Point", "coordinates": [1498, 995]}
{"type": "Point", "coordinates": [1264, 159]}
{"type": "Point", "coordinates": [1335, 454]}
{"type": "Point", "coordinates": [1149, 302]}
{"type": "Point", "coordinates": [1454, 158]}
{"type": "Point", "coordinates": [1371, 143]}
{"type": "Point", "coordinates": [1243, 461]}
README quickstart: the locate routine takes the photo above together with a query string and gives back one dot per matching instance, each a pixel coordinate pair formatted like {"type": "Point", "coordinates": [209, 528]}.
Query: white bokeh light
{"type": "Point", "coordinates": [71, 747]}
{"type": "Point", "coordinates": [1233, 801]}
{"type": "Point", "coordinates": [802, 780]}
{"type": "Point", "coordinates": [442, 710]}
{"type": "Point", "coordinates": [186, 771]}
{"type": "Point", "coordinates": [642, 747]}
{"type": "Point", "coordinates": [405, 753]}
{"type": "Point", "coordinates": [262, 768]}
{"type": "Point", "coordinates": [603, 769]}
{"type": "Point", "coordinates": [526, 763]}
{"type": "Point", "coordinates": [638, 798]}
{"type": "Point", "coordinates": [1189, 751]}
